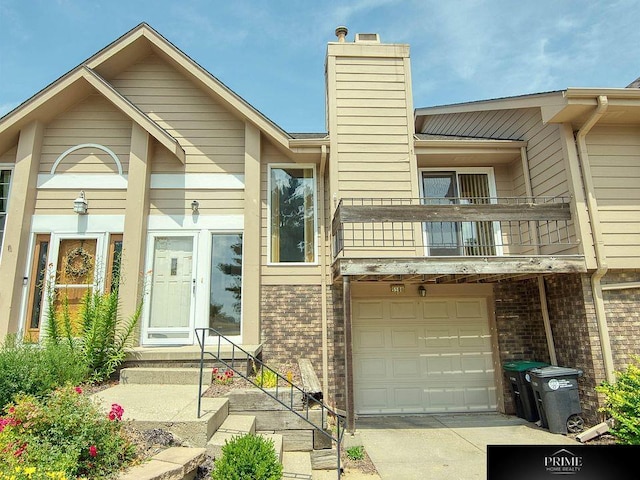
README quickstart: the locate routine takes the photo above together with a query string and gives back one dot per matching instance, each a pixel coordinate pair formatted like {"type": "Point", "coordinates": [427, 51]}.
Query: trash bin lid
{"type": "Point", "coordinates": [553, 371]}
{"type": "Point", "coordinates": [522, 365]}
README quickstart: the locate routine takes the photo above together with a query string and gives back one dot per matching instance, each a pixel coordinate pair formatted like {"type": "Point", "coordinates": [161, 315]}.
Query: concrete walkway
{"type": "Point", "coordinates": [446, 447]}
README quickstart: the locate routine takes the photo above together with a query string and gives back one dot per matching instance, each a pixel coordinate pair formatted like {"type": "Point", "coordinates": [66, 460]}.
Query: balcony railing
{"type": "Point", "coordinates": [439, 227]}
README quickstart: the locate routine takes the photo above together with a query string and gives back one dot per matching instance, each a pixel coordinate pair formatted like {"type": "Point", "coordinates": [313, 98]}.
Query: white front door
{"type": "Point", "coordinates": [172, 290]}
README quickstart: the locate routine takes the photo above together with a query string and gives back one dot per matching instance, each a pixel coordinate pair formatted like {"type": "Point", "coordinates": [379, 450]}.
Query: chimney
{"type": "Point", "coordinates": [341, 33]}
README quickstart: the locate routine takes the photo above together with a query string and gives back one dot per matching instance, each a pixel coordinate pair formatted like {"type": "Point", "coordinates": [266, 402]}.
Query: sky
{"type": "Point", "coordinates": [272, 52]}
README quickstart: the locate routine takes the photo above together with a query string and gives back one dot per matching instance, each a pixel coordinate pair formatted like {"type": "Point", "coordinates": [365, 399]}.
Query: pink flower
{"type": "Point", "coordinates": [230, 372]}
{"type": "Point", "coordinates": [12, 410]}
{"type": "Point", "coordinates": [116, 412]}
{"type": "Point", "coordinates": [215, 371]}
{"type": "Point", "coordinates": [78, 390]}
{"type": "Point", "coordinates": [93, 451]}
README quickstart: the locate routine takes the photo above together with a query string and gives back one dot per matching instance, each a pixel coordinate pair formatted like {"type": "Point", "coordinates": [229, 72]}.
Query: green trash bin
{"type": "Point", "coordinates": [518, 377]}
{"type": "Point", "coordinates": [556, 392]}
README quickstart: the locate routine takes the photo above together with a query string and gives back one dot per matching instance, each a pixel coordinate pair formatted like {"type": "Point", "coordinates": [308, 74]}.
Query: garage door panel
{"type": "Point", "coordinates": [368, 338]}
{"type": "Point", "coordinates": [435, 309]}
{"type": "Point", "coordinates": [470, 309]}
{"type": "Point", "coordinates": [410, 398]}
{"type": "Point", "coordinates": [471, 336]}
{"type": "Point", "coordinates": [368, 309]}
{"type": "Point", "coordinates": [402, 310]}
{"type": "Point", "coordinates": [435, 361]}
{"type": "Point", "coordinates": [405, 338]}
{"type": "Point", "coordinates": [406, 367]}
{"type": "Point", "coordinates": [371, 399]}
{"type": "Point", "coordinates": [371, 368]}
{"type": "Point", "coordinates": [439, 336]}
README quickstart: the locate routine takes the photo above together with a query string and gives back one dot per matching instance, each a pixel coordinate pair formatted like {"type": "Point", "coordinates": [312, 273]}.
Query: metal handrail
{"type": "Point", "coordinates": [307, 399]}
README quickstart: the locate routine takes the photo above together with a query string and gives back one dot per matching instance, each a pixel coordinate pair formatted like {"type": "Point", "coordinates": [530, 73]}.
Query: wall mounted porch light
{"type": "Point", "coordinates": [422, 291]}
{"type": "Point", "coordinates": [80, 204]}
{"type": "Point", "coordinates": [195, 205]}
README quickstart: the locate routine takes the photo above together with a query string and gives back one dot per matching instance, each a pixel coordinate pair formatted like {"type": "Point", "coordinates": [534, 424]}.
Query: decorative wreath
{"type": "Point", "coordinates": [78, 262]}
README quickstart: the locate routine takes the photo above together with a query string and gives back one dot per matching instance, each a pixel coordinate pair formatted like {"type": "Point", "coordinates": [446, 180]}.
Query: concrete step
{"type": "Point", "coordinates": [243, 400]}
{"type": "Point", "coordinates": [233, 426]}
{"type": "Point", "coordinates": [164, 376]}
{"type": "Point", "coordinates": [297, 465]}
{"type": "Point", "coordinates": [169, 407]}
{"type": "Point", "coordinates": [272, 420]}
{"type": "Point", "coordinates": [277, 443]}
{"type": "Point", "coordinates": [177, 463]}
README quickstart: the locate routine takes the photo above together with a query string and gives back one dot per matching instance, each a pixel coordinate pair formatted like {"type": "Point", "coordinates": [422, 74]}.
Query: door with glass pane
{"type": "Point", "coordinates": [458, 238]}
{"type": "Point", "coordinates": [441, 188]}
{"type": "Point", "coordinates": [172, 289]}
{"type": "Point", "coordinates": [225, 295]}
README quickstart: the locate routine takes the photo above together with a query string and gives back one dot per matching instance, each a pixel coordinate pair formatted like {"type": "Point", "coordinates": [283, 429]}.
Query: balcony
{"type": "Point", "coordinates": [482, 239]}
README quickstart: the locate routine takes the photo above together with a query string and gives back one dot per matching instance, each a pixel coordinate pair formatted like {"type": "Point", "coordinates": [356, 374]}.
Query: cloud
{"type": "Point", "coordinates": [7, 107]}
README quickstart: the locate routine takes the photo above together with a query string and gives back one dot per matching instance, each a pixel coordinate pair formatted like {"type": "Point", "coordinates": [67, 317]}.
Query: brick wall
{"type": "Point", "coordinates": [623, 318]}
{"type": "Point", "coordinates": [576, 337]}
{"type": "Point", "coordinates": [291, 326]}
{"type": "Point", "coordinates": [520, 328]}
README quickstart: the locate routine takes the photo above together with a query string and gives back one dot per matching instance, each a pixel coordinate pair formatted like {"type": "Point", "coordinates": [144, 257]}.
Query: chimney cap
{"type": "Point", "coordinates": [341, 32]}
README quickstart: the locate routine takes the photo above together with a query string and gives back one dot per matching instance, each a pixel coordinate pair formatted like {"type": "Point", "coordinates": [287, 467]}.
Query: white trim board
{"type": "Point", "coordinates": [77, 224]}
{"type": "Point", "coordinates": [196, 222]}
{"type": "Point", "coordinates": [82, 181]}
{"type": "Point", "coordinates": [198, 181]}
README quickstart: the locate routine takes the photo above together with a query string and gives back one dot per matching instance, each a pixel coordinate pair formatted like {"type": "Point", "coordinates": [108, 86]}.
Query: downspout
{"type": "Point", "coordinates": [323, 272]}
{"type": "Point", "coordinates": [598, 242]}
{"type": "Point", "coordinates": [542, 292]}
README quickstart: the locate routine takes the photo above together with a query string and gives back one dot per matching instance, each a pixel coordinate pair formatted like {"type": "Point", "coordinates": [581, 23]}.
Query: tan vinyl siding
{"type": "Point", "coordinates": [9, 156]}
{"type": "Point", "coordinates": [614, 156]}
{"type": "Point", "coordinates": [212, 202]}
{"type": "Point", "coordinates": [280, 274]}
{"type": "Point", "coordinates": [94, 120]}
{"type": "Point", "coordinates": [212, 137]}
{"type": "Point", "coordinates": [372, 128]}
{"type": "Point", "coordinates": [60, 202]}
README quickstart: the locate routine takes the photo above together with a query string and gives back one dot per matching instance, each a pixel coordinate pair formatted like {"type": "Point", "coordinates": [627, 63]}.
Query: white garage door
{"type": "Point", "coordinates": [422, 356]}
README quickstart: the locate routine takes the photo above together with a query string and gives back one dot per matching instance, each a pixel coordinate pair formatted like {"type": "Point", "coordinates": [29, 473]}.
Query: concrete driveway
{"type": "Point", "coordinates": [444, 447]}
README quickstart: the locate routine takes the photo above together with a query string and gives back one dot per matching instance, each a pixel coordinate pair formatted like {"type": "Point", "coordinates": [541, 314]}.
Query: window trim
{"type": "Point", "coordinates": [10, 167]}
{"type": "Point", "coordinates": [315, 261]}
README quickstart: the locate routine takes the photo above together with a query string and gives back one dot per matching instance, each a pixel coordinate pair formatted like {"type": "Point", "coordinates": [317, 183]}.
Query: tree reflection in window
{"type": "Point", "coordinates": [225, 306]}
{"type": "Point", "coordinates": [292, 204]}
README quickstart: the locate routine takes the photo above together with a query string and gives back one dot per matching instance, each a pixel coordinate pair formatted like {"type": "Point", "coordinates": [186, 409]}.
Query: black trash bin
{"type": "Point", "coordinates": [556, 392]}
{"type": "Point", "coordinates": [516, 373]}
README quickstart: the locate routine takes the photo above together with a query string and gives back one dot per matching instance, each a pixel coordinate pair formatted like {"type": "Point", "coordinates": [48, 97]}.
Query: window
{"type": "Point", "coordinates": [293, 219]}
{"type": "Point", "coordinates": [459, 238]}
{"type": "Point", "coordinates": [225, 300]}
{"type": "Point", "coordinates": [5, 178]}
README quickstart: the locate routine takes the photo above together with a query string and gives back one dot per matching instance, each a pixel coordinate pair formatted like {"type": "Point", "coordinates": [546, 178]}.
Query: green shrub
{"type": "Point", "coordinates": [266, 378]}
{"type": "Point", "coordinates": [97, 333]}
{"type": "Point", "coordinates": [63, 432]}
{"type": "Point", "coordinates": [623, 404]}
{"type": "Point", "coordinates": [355, 453]}
{"type": "Point", "coordinates": [37, 369]}
{"type": "Point", "coordinates": [249, 457]}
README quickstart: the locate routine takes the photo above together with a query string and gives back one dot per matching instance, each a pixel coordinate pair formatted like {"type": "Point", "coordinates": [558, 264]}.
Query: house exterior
{"type": "Point", "coordinates": [407, 254]}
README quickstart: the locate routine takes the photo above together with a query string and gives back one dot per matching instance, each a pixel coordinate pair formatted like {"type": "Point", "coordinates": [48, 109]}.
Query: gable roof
{"type": "Point", "coordinates": [95, 72]}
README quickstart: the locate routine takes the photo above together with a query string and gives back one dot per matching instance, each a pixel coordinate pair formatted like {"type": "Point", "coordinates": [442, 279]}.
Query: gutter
{"type": "Point", "coordinates": [323, 272]}
{"type": "Point", "coordinates": [598, 242]}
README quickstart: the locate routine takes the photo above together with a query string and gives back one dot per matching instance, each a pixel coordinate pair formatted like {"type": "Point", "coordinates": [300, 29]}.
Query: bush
{"type": "Point", "coordinates": [355, 453]}
{"type": "Point", "coordinates": [265, 378]}
{"type": "Point", "coordinates": [249, 457]}
{"type": "Point", "coordinates": [97, 333]}
{"type": "Point", "coordinates": [37, 369]}
{"type": "Point", "coordinates": [65, 433]}
{"type": "Point", "coordinates": [623, 404]}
